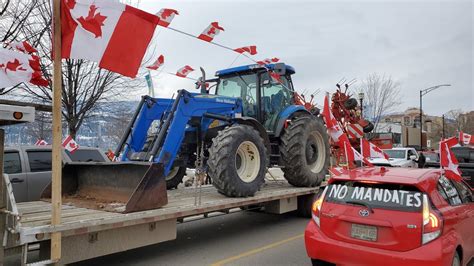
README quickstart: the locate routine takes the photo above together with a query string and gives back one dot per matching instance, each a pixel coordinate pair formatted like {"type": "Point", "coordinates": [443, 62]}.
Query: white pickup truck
{"type": "Point", "coordinates": [398, 157]}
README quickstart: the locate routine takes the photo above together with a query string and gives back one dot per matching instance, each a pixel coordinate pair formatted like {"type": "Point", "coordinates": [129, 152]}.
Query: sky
{"type": "Point", "coordinates": [418, 43]}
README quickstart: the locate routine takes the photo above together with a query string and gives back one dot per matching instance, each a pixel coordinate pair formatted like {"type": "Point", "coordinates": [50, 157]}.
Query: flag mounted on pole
{"type": "Point", "coordinates": [370, 150]}
{"type": "Point", "coordinates": [41, 142]}
{"type": "Point", "coordinates": [70, 144]}
{"type": "Point", "coordinates": [447, 160]}
{"type": "Point", "coordinates": [107, 32]}
{"type": "Point", "coordinates": [210, 32]}
{"type": "Point", "coordinates": [158, 63]}
{"type": "Point", "coordinates": [23, 47]}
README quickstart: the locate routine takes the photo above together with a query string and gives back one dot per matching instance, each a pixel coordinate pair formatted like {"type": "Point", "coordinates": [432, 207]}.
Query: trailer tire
{"type": "Point", "coordinates": [175, 177]}
{"type": "Point", "coordinates": [304, 152]}
{"type": "Point", "coordinates": [237, 161]}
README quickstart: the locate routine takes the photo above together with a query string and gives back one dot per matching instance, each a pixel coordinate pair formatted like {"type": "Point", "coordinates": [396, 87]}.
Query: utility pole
{"type": "Point", "coordinates": [423, 92]}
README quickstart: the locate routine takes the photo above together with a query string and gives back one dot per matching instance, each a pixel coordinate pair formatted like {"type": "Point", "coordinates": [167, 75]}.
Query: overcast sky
{"type": "Point", "coordinates": [419, 43]}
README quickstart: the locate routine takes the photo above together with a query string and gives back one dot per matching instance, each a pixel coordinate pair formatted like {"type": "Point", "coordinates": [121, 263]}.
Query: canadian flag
{"type": "Point", "coordinates": [370, 150]}
{"type": "Point", "coordinates": [267, 61]}
{"type": "Point", "coordinates": [252, 50]}
{"type": "Point", "coordinates": [16, 67]}
{"type": "Point", "coordinates": [210, 32]}
{"type": "Point", "coordinates": [184, 71]}
{"type": "Point", "coordinates": [108, 32]}
{"type": "Point", "coordinates": [70, 145]}
{"type": "Point", "coordinates": [166, 15]}
{"type": "Point", "coordinates": [332, 125]}
{"type": "Point", "coordinates": [41, 142]}
{"type": "Point", "coordinates": [447, 159]}
{"type": "Point", "coordinates": [24, 47]}
{"type": "Point", "coordinates": [466, 139]}
{"type": "Point", "coordinates": [275, 77]}
{"type": "Point", "coordinates": [353, 155]}
{"type": "Point", "coordinates": [159, 62]}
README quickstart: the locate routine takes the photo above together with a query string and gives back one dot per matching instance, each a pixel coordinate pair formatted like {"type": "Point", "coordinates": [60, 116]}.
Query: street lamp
{"type": "Point", "coordinates": [423, 93]}
{"type": "Point", "coordinates": [361, 98]}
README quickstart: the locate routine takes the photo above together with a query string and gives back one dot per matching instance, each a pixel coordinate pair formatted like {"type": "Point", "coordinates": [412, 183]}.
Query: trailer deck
{"type": "Point", "coordinates": [88, 233]}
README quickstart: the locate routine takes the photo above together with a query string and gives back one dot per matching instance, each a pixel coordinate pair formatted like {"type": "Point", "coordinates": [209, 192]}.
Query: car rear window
{"type": "Point", "coordinates": [86, 156]}
{"type": "Point", "coordinates": [12, 163]}
{"type": "Point", "coordinates": [40, 161]}
{"type": "Point", "coordinates": [376, 195]}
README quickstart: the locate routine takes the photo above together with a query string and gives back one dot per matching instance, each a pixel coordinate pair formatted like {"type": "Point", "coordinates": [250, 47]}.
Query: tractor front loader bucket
{"type": "Point", "coordinates": [117, 187]}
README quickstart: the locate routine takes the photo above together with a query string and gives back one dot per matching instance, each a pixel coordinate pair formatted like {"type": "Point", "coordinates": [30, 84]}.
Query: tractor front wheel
{"type": "Point", "coordinates": [305, 152]}
{"type": "Point", "coordinates": [175, 177]}
{"type": "Point", "coordinates": [237, 161]}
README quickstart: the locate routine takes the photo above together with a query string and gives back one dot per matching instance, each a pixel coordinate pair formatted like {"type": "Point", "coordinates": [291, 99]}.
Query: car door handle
{"type": "Point", "coordinates": [16, 180]}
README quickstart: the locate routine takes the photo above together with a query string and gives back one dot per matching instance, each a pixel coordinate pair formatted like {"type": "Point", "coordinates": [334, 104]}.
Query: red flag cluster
{"type": "Point", "coordinates": [20, 66]}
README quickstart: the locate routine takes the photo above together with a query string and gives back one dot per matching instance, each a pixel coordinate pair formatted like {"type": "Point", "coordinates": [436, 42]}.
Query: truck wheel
{"type": "Point", "coordinates": [175, 177]}
{"type": "Point", "coordinates": [237, 161]}
{"type": "Point", "coordinates": [304, 152]}
{"type": "Point", "coordinates": [368, 128]}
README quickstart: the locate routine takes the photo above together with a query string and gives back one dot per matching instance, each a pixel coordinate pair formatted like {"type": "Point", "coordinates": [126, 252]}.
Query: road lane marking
{"type": "Point", "coordinates": [255, 251]}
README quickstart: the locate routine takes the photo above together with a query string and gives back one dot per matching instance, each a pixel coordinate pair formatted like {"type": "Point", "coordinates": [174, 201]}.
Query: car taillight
{"type": "Point", "coordinates": [432, 222]}
{"type": "Point", "coordinates": [317, 207]}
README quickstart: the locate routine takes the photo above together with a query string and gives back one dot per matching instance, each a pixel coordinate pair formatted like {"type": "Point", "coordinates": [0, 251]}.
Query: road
{"type": "Point", "coordinates": [243, 238]}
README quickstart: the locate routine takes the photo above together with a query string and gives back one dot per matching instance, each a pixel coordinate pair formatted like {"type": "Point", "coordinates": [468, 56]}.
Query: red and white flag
{"type": "Point", "coordinates": [448, 161]}
{"type": "Point", "coordinates": [252, 50]}
{"type": "Point", "coordinates": [70, 145]}
{"type": "Point", "coordinates": [184, 71]}
{"type": "Point", "coordinates": [275, 77]}
{"type": "Point", "coordinates": [466, 139]}
{"type": "Point", "coordinates": [267, 61]}
{"type": "Point", "coordinates": [107, 32]}
{"type": "Point", "coordinates": [332, 125]}
{"type": "Point", "coordinates": [158, 63]}
{"type": "Point", "coordinates": [24, 47]}
{"type": "Point", "coordinates": [166, 15]}
{"type": "Point", "coordinates": [210, 32]}
{"type": "Point", "coordinates": [353, 155]}
{"type": "Point", "coordinates": [17, 67]}
{"type": "Point", "coordinates": [370, 150]}
{"type": "Point", "coordinates": [41, 142]}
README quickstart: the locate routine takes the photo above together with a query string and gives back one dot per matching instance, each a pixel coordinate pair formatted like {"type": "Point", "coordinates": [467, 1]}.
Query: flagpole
{"type": "Point", "coordinates": [57, 134]}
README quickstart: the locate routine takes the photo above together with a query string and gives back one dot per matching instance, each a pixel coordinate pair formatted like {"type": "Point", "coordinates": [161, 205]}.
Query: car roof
{"type": "Point", "coordinates": [395, 175]}
{"type": "Point", "coordinates": [229, 71]}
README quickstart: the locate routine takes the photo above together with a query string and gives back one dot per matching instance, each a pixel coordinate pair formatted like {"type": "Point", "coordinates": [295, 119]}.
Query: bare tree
{"type": "Point", "coordinates": [85, 85]}
{"type": "Point", "coordinates": [382, 95]}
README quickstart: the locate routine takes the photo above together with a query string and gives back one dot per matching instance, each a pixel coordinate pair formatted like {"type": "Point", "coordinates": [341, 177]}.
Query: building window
{"type": "Point", "coordinates": [406, 121]}
{"type": "Point", "coordinates": [388, 120]}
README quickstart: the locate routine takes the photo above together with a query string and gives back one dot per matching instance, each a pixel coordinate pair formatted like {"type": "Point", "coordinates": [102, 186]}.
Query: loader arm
{"type": "Point", "coordinates": [174, 118]}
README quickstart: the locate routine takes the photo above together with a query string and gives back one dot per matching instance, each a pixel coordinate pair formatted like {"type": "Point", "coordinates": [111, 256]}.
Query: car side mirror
{"type": "Point", "coordinates": [413, 157]}
{"type": "Point", "coordinates": [279, 68]}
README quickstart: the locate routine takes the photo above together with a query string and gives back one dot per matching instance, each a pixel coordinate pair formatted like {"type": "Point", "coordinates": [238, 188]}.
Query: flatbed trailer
{"type": "Point", "coordinates": [88, 233]}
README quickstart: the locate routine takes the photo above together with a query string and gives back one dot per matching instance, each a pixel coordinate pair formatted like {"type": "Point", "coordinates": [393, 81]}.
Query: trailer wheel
{"type": "Point", "coordinates": [175, 177]}
{"type": "Point", "coordinates": [304, 152]}
{"type": "Point", "coordinates": [237, 161]}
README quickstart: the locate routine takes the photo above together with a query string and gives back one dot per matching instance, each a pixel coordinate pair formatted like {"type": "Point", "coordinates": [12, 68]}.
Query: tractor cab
{"type": "Point", "coordinates": [263, 97]}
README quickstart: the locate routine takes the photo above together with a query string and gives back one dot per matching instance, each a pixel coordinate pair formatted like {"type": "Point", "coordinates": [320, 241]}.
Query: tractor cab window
{"type": "Point", "coordinates": [276, 97]}
{"type": "Point", "coordinates": [241, 86]}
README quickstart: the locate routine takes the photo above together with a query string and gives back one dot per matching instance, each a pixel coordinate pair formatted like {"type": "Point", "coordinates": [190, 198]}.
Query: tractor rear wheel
{"type": "Point", "coordinates": [175, 177]}
{"type": "Point", "coordinates": [304, 151]}
{"type": "Point", "coordinates": [237, 161]}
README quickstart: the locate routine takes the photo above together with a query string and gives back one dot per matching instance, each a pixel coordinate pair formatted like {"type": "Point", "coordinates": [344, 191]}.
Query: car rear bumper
{"type": "Point", "coordinates": [319, 246]}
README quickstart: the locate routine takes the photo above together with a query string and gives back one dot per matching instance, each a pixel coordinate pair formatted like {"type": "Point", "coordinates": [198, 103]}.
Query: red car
{"type": "Point", "coordinates": [392, 216]}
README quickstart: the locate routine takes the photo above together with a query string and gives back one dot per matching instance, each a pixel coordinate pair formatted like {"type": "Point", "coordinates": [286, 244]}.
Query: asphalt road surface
{"type": "Point", "coordinates": [242, 238]}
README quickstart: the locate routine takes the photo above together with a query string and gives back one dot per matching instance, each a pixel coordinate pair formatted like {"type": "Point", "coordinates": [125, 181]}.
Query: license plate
{"type": "Point", "coordinates": [364, 232]}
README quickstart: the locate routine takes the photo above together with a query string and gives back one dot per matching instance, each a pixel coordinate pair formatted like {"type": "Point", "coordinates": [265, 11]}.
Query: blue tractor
{"type": "Point", "coordinates": [233, 131]}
